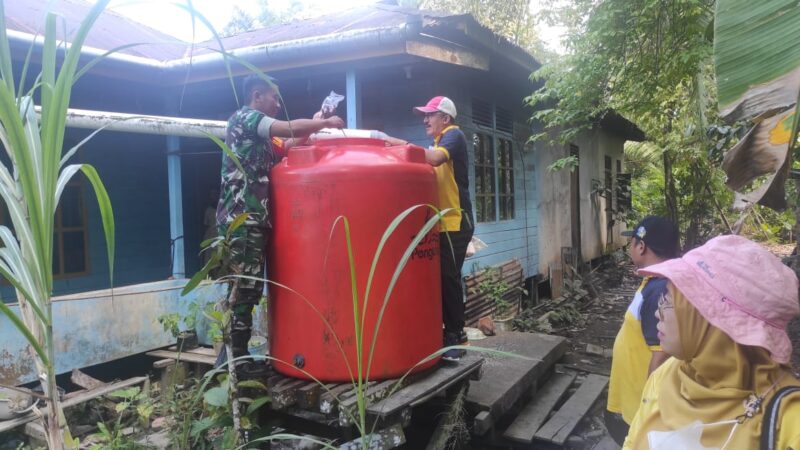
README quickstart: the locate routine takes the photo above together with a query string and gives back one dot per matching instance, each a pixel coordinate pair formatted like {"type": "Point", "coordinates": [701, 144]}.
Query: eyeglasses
{"type": "Point", "coordinates": [665, 302]}
{"type": "Point", "coordinates": [432, 114]}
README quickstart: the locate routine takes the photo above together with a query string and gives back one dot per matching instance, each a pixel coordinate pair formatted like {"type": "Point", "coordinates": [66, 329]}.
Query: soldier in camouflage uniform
{"type": "Point", "coordinates": [250, 132]}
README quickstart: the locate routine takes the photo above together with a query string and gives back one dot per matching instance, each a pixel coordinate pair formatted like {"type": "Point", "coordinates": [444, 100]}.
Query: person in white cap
{"type": "Point", "coordinates": [448, 156]}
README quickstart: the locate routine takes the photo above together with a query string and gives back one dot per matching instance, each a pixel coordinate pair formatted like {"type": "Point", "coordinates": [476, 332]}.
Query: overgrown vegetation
{"type": "Point", "coordinates": [31, 187]}
{"type": "Point", "coordinates": [497, 290]}
{"type": "Point", "coordinates": [652, 62]}
{"type": "Point", "coordinates": [511, 19]}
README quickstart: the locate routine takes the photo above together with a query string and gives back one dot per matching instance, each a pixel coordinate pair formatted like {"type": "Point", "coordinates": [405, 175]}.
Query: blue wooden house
{"type": "Point", "coordinates": [385, 59]}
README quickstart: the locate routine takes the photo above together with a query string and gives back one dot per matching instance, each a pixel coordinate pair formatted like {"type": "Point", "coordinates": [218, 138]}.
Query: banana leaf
{"type": "Point", "coordinates": [757, 62]}
{"type": "Point", "coordinates": [757, 56]}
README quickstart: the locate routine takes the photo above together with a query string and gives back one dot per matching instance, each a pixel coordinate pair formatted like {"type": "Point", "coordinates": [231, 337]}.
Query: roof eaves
{"type": "Point", "coordinates": [294, 53]}
{"type": "Point", "coordinates": [618, 124]}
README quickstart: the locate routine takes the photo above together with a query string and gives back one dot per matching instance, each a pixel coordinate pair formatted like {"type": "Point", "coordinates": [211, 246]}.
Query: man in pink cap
{"type": "Point", "coordinates": [448, 156]}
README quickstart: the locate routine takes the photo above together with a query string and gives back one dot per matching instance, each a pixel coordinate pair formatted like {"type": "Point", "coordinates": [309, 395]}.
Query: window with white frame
{"type": "Point", "coordinates": [493, 148]}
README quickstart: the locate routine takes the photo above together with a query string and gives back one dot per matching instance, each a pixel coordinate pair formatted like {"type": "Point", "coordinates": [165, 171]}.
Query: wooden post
{"type": "Point", "coordinates": [556, 279]}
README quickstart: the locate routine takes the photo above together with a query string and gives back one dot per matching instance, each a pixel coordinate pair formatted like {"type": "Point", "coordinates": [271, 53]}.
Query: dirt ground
{"type": "Point", "coordinates": [602, 320]}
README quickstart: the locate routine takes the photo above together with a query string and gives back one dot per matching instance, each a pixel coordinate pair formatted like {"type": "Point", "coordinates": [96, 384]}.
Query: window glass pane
{"type": "Point", "coordinates": [74, 252]}
{"type": "Point", "coordinates": [510, 207]}
{"type": "Point", "coordinates": [501, 153]}
{"type": "Point", "coordinates": [71, 207]}
{"type": "Point", "coordinates": [490, 187]}
{"type": "Point", "coordinates": [490, 212]}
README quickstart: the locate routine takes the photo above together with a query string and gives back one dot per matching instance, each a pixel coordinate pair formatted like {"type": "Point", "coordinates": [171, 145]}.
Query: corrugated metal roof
{"type": "Point", "coordinates": [366, 17]}
{"type": "Point", "coordinates": [113, 30]}
{"type": "Point", "coordinates": [110, 31]}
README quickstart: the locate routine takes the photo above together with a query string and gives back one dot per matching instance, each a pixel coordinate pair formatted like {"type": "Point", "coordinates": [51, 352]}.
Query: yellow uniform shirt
{"type": "Point", "coordinates": [633, 348]}
{"type": "Point", "coordinates": [453, 180]}
{"type": "Point", "coordinates": [788, 430]}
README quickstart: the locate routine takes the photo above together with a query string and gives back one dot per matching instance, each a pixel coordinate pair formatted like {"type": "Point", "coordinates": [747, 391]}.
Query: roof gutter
{"type": "Point", "coordinates": [335, 47]}
{"type": "Point", "coordinates": [325, 49]}
{"type": "Point", "coordinates": [115, 64]}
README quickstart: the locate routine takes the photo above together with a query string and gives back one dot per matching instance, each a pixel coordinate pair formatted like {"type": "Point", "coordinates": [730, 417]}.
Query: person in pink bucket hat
{"type": "Point", "coordinates": [728, 384]}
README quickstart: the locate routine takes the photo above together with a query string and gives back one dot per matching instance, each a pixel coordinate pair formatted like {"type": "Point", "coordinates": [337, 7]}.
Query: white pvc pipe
{"type": "Point", "coordinates": [177, 126]}
{"type": "Point", "coordinates": [144, 124]}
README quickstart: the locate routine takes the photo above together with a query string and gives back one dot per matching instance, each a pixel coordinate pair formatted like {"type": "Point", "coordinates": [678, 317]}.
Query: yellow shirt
{"type": "Point", "coordinates": [632, 353]}
{"type": "Point", "coordinates": [452, 178]}
{"type": "Point", "coordinates": [788, 429]}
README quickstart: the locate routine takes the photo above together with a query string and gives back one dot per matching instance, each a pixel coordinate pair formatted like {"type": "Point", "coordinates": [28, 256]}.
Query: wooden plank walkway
{"type": "Point", "coordinates": [531, 418]}
{"type": "Point", "coordinates": [200, 355]}
{"type": "Point", "coordinates": [507, 379]}
{"type": "Point", "coordinates": [559, 427]}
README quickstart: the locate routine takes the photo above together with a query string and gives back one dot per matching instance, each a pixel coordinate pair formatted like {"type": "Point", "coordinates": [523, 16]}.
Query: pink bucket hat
{"type": "Point", "coordinates": [740, 288]}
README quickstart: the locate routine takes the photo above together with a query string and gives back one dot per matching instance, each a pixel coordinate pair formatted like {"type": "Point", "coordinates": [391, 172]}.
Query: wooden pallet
{"type": "Point", "coordinates": [335, 404]}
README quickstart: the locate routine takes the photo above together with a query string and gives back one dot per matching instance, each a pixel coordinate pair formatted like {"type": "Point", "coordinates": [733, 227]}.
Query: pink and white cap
{"type": "Point", "coordinates": [441, 104]}
{"type": "Point", "coordinates": [740, 288]}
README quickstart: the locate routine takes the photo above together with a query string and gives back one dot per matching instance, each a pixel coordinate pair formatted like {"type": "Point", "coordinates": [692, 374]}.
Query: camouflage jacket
{"type": "Point", "coordinates": [248, 191]}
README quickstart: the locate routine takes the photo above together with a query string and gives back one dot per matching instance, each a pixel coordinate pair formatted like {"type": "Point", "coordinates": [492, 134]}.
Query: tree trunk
{"type": "Point", "coordinates": [670, 197]}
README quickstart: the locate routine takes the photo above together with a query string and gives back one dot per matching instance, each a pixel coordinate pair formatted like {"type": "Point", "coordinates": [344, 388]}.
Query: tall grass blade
{"type": "Point", "coordinates": [399, 269]}
{"type": "Point", "coordinates": [98, 59]}
{"type": "Point", "coordinates": [106, 214]}
{"type": "Point", "coordinates": [224, 147]}
{"type": "Point", "coordinates": [24, 75]}
{"type": "Point", "coordinates": [6, 69]}
{"type": "Point", "coordinates": [217, 38]}
{"type": "Point", "coordinates": [19, 325]}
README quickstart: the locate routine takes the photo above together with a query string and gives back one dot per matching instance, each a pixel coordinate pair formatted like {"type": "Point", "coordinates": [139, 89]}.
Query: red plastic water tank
{"type": "Point", "coordinates": [369, 184]}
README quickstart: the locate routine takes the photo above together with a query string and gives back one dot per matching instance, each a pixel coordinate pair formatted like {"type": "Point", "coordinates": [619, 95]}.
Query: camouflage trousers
{"type": "Point", "coordinates": [247, 258]}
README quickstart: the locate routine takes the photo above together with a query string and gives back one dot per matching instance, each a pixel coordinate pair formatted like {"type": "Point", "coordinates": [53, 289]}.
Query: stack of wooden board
{"type": "Point", "coordinates": [535, 421]}
{"type": "Point", "coordinates": [479, 303]}
{"type": "Point", "coordinates": [508, 377]}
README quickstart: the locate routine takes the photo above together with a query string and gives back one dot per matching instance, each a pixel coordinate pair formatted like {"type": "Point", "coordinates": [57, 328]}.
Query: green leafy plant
{"type": "Point", "coordinates": [216, 321]}
{"type": "Point", "coordinates": [190, 319]}
{"type": "Point", "coordinates": [568, 162]}
{"type": "Point", "coordinates": [216, 425]}
{"type": "Point", "coordinates": [494, 287]}
{"type": "Point", "coordinates": [31, 187]}
{"type": "Point", "coordinates": [176, 323]}
{"type": "Point", "coordinates": [133, 402]}
{"type": "Point", "coordinates": [171, 323]}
